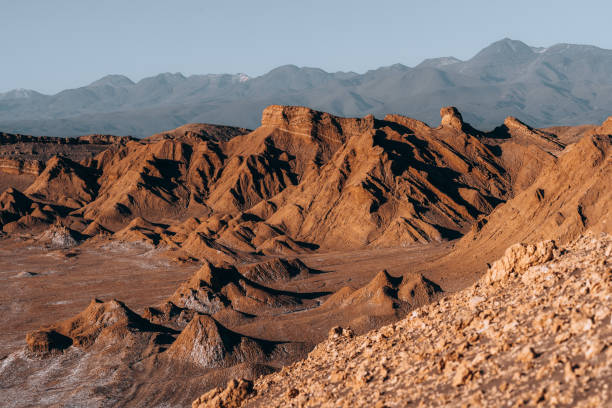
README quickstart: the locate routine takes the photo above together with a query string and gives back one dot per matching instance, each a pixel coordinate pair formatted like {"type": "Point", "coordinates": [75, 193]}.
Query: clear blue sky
{"type": "Point", "coordinates": [49, 45]}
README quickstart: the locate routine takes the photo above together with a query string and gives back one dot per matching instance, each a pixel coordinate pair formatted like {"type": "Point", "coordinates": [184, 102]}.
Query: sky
{"type": "Point", "coordinates": [53, 45]}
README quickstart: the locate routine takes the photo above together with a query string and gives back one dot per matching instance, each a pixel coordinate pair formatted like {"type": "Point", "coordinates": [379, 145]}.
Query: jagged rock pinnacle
{"type": "Point", "coordinates": [451, 117]}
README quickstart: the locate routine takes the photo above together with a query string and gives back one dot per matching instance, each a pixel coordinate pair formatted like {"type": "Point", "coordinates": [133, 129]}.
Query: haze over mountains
{"type": "Point", "coordinates": [561, 85]}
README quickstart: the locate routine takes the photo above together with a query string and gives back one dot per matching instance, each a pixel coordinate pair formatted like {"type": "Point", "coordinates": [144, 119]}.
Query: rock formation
{"type": "Point", "coordinates": [550, 337]}
{"type": "Point", "coordinates": [101, 322]}
{"type": "Point", "coordinates": [269, 189]}
{"type": "Point", "coordinates": [199, 131]}
{"type": "Point", "coordinates": [569, 196]}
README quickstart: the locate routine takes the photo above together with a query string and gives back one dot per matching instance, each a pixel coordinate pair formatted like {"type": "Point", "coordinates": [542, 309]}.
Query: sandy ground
{"type": "Point", "coordinates": [41, 286]}
{"type": "Point", "coordinates": [44, 285]}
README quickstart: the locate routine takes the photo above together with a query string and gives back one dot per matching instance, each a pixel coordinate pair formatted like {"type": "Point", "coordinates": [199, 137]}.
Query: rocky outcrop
{"type": "Point", "coordinates": [45, 342]}
{"type": "Point", "coordinates": [534, 338]}
{"type": "Point", "coordinates": [109, 322]}
{"type": "Point", "coordinates": [18, 167]}
{"type": "Point", "coordinates": [232, 396]}
{"type": "Point", "coordinates": [385, 295]}
{"type": "Point", "coordinates": [204, 342]}
{"type": "Point", "coordinates": [274, 270]}
{"type": "Point", "coordinates": [417, 290]}
{"type": "Point", "coordinates": [65, 182]}
{"type": "Point", "coordinates": [604, 129]}
{"type": "Point", "coordinates": [523, 133]}
{"type": "Point", "coordinates": [13, 206]}
{"type": "Point", "coordinates": [518, 258]}
{"type": "Point", "coordinates": [59, 237]}
{"type": "Point", "coordinates": [9, 138]}
{"type": "Point", "coordinates": [200, 132]}
{"type": "Point", "coordinates": [412, 124]}
{"type": "Point", "coordinates": [15, 202]}
{"type": "Point", "coordinates": [451, 117]}
{"type": "Point", "coordinates": [567, 198]}
{"type": "Point", "coordinates": [309, 122]}
{"type": "Point", "coordinates": [216, 287]}
{"type": "Point", "coordinates": [303, 180]}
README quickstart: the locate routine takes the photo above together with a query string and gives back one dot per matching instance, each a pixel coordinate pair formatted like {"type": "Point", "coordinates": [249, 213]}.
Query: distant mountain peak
{"type": "Point", "coordinates": [438, 62]}
{"type": "Point", "coordinates": [19, 93]}
{"type": "Point", "coordinates": [564, 48]}
{"type": "Point", "coordinates": [394, 67]}
{"type": "Point", "coordinates": [169, 76]}
{"type": "Point", "coordinates": [503, 49]}
{"type": "Point", "coordinates": [113, 80]}
{"type": "Point", "coordinates": [285, 68]}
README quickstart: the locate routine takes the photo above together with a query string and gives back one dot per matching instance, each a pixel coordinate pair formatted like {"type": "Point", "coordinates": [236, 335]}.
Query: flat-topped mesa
{"type": "Point", "coordinates": [199, 131]}
{"type": "Point", "coordinates": [306, 121]}
{"type": "Point", "coordinates": [280, 115]}
{"type": "Point", "coordinates": [451, 117]}
{"type": "Point", "coordinates": [96, 138]}
{"type": "Point", "coordinates": [99, 139]}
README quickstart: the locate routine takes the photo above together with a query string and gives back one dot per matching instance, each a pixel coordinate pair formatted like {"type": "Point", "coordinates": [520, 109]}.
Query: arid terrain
{"type": "Point", "coordinates": [152, 272]}
{"type": "Point", "coordinates": [534, 331]}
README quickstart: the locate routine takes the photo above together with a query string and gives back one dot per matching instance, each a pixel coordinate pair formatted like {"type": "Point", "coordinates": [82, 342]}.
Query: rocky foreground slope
{"type": "Point", "coordinates": [535, 330]}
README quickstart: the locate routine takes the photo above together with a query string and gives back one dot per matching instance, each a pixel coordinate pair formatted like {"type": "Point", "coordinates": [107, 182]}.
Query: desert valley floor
{"type": "Point", "coordinates": [62, 282]}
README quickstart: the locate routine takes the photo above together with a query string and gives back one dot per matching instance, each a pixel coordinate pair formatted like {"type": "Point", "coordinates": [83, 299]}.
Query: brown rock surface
{"type": "Point", "coordinates": [569, 196]}
{"type": "Point", "coordinates": [451, 117]}
{"type": "Point", "coordinates": [23, 158]}
{"type": "Point", "coordinates": [200, 131]}
{"type": "Point", "coordinates": [525, 134]}
{"type": "Point", "coordinates": [232, 396]}
{"type": "Point", "coordinates": [109, 322]}
{"type": "Point", "coordinates": [206, 343]}
{"type": "Point", "coordinates": [605, 128]}
{"type": "Point", "coordinates": [290, 185]}
{"type": "Point", "coordinates": [64, 182]}
{"type": "Point", "coordinates": [517, 344]}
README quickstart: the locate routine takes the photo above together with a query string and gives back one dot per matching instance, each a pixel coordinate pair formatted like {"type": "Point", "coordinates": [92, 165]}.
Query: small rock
{"type": "Point", "coordinates": [581, 325]}
{"type": "Point", "coordinates": [595, 347]}
{"type": "Point", "coordinates": [462, 375]}
{"type": "Point", "coordinates": [475, 301]}
{"type": "Point", "coordinates": [526, 355]}
{"type": "Point", "coordinates": [337, 332]}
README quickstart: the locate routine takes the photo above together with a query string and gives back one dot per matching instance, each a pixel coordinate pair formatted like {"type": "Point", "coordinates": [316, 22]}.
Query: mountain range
{"type": "Point", "coordinates": [564, 84]}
